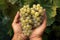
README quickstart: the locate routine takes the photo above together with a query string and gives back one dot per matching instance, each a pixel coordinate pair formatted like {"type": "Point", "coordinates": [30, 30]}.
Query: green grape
{"type": "Point", "coordinates": [25, 10]}
{"type": "Point", "coordinates": [40, 10]}
{"type": "Point", "coordinates": [28, 10]}
{"type": "Point", "coordinates": [37, 19]}
{"type": "Point", "coordinates": [38, 7]}
{"type": "Point", "coordinates": [26, 20]}
{"type": "Point", "coordinates": [29, 32]}
{"type": "Point", "coordinates": [28, 17]}
{"type": "Point", "coordinates": [21, 9]}
{"type": "Point", "coordinates": [24, 32]}
{"type": "Point", "coordinates": [35, 25]}
{"type": "Point", "coordinates": [26, 14]}
{"type": "Point", "coordinates": [29, 27]}
{"type": "Point", "coordinates": [31, 17]}
{"type": "Point", "coordinates": [32, 12]}
{"type": "Point", "coordinates": [38, 23]}
{"type": "Point", "coordinates": [27, 6]}
{"type": "Point", "coordinates": [34, 6]}
{"type": "Point", "coordinates": [30, 21]}
{"type": "Point", "coordinates": [24, 27]}
{"type": "Point", "coordinates": [24, 6]}
{"type": "Point", "coordinates": [36, 14]}
{"type": "Point", "coordinates": [21, 18]}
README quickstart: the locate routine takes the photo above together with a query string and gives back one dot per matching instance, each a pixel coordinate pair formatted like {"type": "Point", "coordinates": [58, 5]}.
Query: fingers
{"type": "Point", "coordinates": [16, 18]}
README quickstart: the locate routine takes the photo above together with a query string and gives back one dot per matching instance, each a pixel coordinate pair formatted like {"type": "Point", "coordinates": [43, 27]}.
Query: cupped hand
{"type": "Point", "coordinates": [16, 24]}
{"type": "Point", "coordinates": [17, 27]}
{"type": "Point", "coordinates": [36, 32]}
{"type": "Point", "coordinates": [39, 30]}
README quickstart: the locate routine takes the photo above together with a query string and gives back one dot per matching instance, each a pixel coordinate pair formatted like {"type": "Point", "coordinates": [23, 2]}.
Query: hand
{"type": "Point", "coordinates": [16, 24]}
{"type": "Point", "coordinates": [39, 31]}
{"type": "Point", "coordinates": [17, 27]}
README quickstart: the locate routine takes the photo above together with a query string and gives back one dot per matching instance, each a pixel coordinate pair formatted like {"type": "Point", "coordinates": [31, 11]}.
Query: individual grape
{"type": "Point", "coordinates": [35, 25]}
{"type": "Point", "coordinates": [28, 10]}
{"type": "Point", "coordinates": [23, 21]}
{"type": "Point", "coordinates": [26, 14]}
{"type": "Point", "coordinates": [38, 23]}
{"type": "Point", "coordinates": [24, 6]}
{"type": "Point", "coordinates": [40, 10]}
{"type": "Point", "coordinates": [34, 6]}
{"type": "Point", "coordinates": [25, 10]}
{"type": "Point", "coordinates": [32, 12]}
{"type": "Point", "coordinates": [37, 19]}
{"type": "Point", "coordinates": [38, 7]}
{"type": "Point", "coordinates": [29, 32]}
{"type": "Point", "coordinates": [27, 6]}
{"type": "Point", "coordinates": [24, 32]}
{"type": "Point", "coordinates": [28, 17]}
{"type": "Point", "coordinates": [24, 27]}
{"type": "Point", "coordinates": [26, 20]}
{"type": "Point", "coordinates": [21, 9]}
{"type": "Point", "coordinates": [36, 14]}
{"type": "Point", "coordinates": [30, 21]}
{"type": "Point", "coordinates": [28, 27]}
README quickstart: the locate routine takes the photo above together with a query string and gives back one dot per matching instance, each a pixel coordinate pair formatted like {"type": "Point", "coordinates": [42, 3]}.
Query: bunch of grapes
{"type": "Point", "coordinates": [31, 18]}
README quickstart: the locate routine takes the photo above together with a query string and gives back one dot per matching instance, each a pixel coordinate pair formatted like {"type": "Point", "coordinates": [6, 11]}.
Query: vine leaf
{"type": "Point", "coordinates": [12, 1]}
{"type": "Point", "coordinates": [51, 12]}
{"type": "Point", "coordinates": [50, 21]}
{"type": "Point", "coordinates": [28, 1]}
{"type": "Point", "coordinates": [57, 3]}
{"type": "Point", "coordinates": [3, 4]}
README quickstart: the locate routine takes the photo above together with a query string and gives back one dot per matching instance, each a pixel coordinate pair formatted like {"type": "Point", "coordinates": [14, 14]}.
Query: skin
{"type": "Point", "coordinates": [36, 34]}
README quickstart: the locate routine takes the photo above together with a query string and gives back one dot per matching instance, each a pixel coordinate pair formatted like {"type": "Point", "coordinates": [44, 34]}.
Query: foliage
{"type": "Point", "coordinates": [8, 9]}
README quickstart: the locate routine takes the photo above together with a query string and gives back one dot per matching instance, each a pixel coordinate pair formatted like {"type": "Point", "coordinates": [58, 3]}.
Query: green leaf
{"type": "Point", "coordinates": [2, 1]}
{"type": "Point", "coordinates": [45, 37]}
{"type": "Point", "coordinates": [3, 4]}
{"type": "Point", "coordinates": [28, 1]}
{"type": "Point", "coordinates": [51, 12]}
{"type": "Point", "coordinates": [56, 28]}
{"type": "Point", "coordinates": [48, 30]}
{"type": "Point", "coordinates": [57, 3]}
{"type": "Point", "coordinates": [12, 1]}
{"type": "Point", "coordinates": [50, 21]}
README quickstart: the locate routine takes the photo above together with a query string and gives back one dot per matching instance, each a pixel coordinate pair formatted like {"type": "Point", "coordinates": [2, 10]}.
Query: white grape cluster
{"type": "Point", "coordinates": [30, 18]}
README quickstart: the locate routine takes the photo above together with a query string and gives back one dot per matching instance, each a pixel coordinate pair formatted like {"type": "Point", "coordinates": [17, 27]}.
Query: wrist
{"type": "Point", "coordinates": [20, 36]}
{"type": "Point", "coordinates": [34, 37]}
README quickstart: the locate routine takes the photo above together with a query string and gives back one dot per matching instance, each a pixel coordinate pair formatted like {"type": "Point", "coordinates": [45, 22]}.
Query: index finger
{"type": "Point", "coordinates": [16, 17]}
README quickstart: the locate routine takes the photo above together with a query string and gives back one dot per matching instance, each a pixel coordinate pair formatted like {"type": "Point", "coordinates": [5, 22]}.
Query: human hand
{"type": "Point", "coordinates": [17, 28]}
{"type": "Point", "coordinates": [36, 32]}
{"type": "Point", "coordinates": [39, 31]}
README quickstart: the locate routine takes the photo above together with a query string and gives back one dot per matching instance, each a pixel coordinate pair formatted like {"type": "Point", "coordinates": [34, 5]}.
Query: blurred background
{"type": "Point", "coordinates": [8, 9]}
